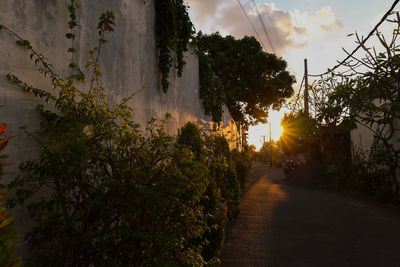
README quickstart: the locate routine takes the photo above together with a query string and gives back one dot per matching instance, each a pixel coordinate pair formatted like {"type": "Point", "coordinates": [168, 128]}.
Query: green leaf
{"type": "Point", "coordinates": [73, 65]}
{"type": "Point", "coordinates": [70, 36]}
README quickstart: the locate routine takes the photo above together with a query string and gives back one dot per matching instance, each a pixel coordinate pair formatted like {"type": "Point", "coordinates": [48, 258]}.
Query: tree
{"type": "Point", "coordinates": [298, 128]}
{"type": "Point", "coordinates": [367, 95]}
{"type": "Point", "coordinates": [237, 73]}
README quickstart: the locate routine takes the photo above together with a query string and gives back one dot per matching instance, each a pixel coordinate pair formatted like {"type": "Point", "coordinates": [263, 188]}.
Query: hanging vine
{"type": "Point", "coordinates": [174, 31]}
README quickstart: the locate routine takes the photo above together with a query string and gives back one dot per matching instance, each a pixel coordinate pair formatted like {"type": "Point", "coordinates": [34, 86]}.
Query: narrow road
{"type": "Point", "coordinates": [281, 225]}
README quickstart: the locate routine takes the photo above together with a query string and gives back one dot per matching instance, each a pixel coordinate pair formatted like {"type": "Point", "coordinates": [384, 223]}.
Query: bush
{"type": "Point", "coordinates": [243, 165]}
{"type": "Point", "coordinates": [223, 171]}
{"type": "Point", "coordinates": [104, 193]}
{"type": "Point", "coordinates": [190, 137]}
{"type": "Point", "coordinates": [228, 174]}
{"type": "Point", "coordinates": [362, 175]}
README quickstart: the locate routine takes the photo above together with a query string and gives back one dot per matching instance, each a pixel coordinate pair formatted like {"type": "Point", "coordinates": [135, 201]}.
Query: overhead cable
{"type": "Point", "coordinates": [259, 38]}
{"type": "Point", "coordinates": [263, 26]}
{"type": "Point", "coordinates": [274, 28]}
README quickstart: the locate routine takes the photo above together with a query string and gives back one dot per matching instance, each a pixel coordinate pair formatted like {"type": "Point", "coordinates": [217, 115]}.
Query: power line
{"type": "Point", "coordinates": [259, 38]}
{"type": "Point", "coordinates": [263, 26]}
{"type": "Point", "coordinates": [297, 97]}
{"type": "Point", "coordinates": [273, 27]}
{"type": "Point", "coordinates": [362, 43]}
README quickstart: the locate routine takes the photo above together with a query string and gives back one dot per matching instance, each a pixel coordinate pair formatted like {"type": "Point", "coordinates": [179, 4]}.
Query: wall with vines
{"type": "Point", "coordinates": [129, 62]}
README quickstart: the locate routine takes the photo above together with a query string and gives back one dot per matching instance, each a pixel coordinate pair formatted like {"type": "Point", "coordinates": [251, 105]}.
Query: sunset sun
{"type": "Point", "coordinates": [259, 132]}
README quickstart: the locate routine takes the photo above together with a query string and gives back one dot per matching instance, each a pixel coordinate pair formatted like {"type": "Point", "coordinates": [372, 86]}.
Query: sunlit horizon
{"type": "Point", "coordinates": [257, 133]}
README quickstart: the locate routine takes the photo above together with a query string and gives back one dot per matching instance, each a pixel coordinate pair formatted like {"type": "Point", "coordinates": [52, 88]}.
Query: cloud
{"type": "Point", "coordinates": [286, 29]}
{"type": "Point", "coordinates": [326, 19]}
{"type": "Point", "coordinates": [205, 10]}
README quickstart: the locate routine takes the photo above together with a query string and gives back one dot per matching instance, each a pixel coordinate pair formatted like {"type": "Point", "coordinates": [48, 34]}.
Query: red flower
{"type": "Point", "coordinates": [5, 163]}
{"type": "Point", "coordinates": [2, 215]}
{"type": "Point", "coordinates": [163, 170]}
{"type": "Point", "coordinates": [3, 128]}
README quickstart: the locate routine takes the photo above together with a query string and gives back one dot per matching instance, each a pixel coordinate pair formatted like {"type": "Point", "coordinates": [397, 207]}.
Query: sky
{"type": "Point", "coordinates": [297, 29]}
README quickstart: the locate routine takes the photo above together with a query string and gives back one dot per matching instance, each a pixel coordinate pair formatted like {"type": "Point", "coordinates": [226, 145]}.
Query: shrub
{"type": "Point", "coordinates": [223, 170]}
{"type": "Point", "coordinates": [101, 192]}
{"type": "Point", "coordinates": [104, 193]}
{"type": "Point", "coordinates": [361, 174]}
{"type": "Point", "coordinates": [243, 165]}
{"type": "Point", "coordinates": [190, 137]}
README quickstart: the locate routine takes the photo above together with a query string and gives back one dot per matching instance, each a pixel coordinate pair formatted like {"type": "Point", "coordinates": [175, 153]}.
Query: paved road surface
{"type": "Point", "coordinates": [282, 225]}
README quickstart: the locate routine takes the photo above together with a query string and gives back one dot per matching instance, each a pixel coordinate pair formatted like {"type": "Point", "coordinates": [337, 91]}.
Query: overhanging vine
{"type": "Point", "coordinates": [174, 31]}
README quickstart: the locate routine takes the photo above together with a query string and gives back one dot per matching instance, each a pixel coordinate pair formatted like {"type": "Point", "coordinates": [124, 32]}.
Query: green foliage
{"type": "Point", "coordinates": [174, 30]}
{"type": "Point", "coordinates": [360, 174]}
{"type": "Point", "coordinates": [240, 75]}
{"type": "Point", "coordinates": [228, 174]}
{"type": "Point", "coordinates": [8, 234]}
{"type": "Point", "coordinates": [243, 162]}
{"type": "Point", "coordinates": [223, 170]}
{"type": "Point", "coordinates": [298, 130]}
{"type": "Point", "coordinates": [211, 89]}
{"type": "Point", "coordinates": [104, 193]}
{"type": "Point", "coordinates": [369, 98]}
{"type": "Point", "coordinates": [190, 136]}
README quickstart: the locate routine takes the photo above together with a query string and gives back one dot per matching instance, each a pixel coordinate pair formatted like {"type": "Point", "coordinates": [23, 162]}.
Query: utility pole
{"type": "Point", "coordinates": [306, 108]}
{"type": "Point", "coordinates": [270, 136]}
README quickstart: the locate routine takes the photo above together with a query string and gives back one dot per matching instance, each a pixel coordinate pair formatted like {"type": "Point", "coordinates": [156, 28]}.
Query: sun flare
{"type": "Point", "coordinates": [259, 132]}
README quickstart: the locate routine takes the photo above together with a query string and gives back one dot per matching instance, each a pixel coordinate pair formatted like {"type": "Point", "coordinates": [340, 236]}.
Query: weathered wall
{"type": "Point", "coordinates": [362, 137]}
{"type": "Point", "coordinates": [129, 61]}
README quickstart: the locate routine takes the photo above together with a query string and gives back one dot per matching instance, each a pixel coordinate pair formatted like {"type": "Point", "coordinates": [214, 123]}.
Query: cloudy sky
{"type": "Point", "coordinates": [297, 29]}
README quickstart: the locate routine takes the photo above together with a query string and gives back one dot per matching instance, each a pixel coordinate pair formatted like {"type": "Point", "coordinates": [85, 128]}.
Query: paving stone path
{"type": "Point", "coordinates": [281, 225]}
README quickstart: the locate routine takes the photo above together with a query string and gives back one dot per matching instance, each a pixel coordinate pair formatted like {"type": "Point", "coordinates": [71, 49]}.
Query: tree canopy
{"type": "Point", "coordinates": [298, 128]}
{"type": "Point", "coordinates": [239, 74]}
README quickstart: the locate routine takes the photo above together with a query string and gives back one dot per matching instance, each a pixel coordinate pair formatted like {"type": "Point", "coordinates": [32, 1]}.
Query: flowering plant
{"type": "Point", "coordinates": [7, 231]}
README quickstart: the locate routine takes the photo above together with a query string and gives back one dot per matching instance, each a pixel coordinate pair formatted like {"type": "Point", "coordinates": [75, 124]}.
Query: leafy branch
{"type": "Point", "coordinates": [174, 31]}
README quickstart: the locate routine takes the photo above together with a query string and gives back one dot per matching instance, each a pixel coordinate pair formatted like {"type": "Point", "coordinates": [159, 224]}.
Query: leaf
{"type": "Point", "coordinates": [73, 65]}
{"type": "Point", "coordinates": [70, 36]}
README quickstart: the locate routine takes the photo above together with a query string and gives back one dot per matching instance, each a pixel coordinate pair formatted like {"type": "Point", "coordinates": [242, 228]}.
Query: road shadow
{"type": "Point", "coordinates": [283, 225]}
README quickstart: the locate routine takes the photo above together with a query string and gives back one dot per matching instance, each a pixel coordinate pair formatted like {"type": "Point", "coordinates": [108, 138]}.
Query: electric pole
{"type": "Point", "coordinates": [270, 136]}
{"type": "Point", "coordinates": [306, 108]}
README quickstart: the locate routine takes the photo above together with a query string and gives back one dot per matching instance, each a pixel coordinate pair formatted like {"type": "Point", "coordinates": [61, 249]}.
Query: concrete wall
{"type": "Point", "coordinates": [362, 138]}
{"type": "Point", "coordinates": [128, 61]}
